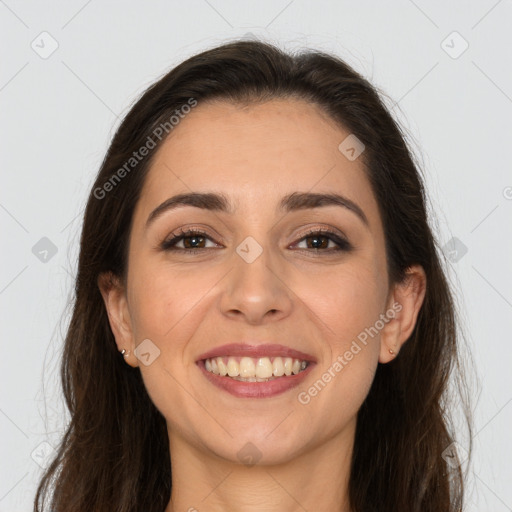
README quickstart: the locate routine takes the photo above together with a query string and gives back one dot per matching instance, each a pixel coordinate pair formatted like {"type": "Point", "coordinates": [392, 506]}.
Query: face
{"type": "Point", "coordinates": [305, 274]}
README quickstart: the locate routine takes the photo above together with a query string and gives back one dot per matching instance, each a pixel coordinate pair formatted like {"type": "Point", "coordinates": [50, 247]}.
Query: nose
{"type": "Point", "coordinates": [256, 292]}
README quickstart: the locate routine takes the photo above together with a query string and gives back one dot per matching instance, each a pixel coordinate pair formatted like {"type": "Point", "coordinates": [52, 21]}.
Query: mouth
{"type": "Point", "coordinates": [255, 371]}
{"type": "Point", "coordinates": [251, 369]}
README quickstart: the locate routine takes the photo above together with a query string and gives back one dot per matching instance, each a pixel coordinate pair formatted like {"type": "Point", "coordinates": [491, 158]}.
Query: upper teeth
{"type": "Point", "coordinates": [248, 367]}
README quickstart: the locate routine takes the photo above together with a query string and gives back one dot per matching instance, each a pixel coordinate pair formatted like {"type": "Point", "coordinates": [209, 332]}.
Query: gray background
{"type": "Point", "coordinates": [60, 110]}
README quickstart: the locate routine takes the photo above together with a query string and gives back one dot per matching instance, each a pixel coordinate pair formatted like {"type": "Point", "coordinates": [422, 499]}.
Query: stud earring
{"type": "Point", "coordinates": [391, 351]}
{"type": "Point", "coordinates": [124, 353]}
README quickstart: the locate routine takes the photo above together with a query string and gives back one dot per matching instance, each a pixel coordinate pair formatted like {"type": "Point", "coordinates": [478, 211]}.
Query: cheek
{"type": "Point", "coordinates": [347, 300]}
{"type": "Point", "coordinates": [347, 306]}
{"type": "Point", "coordinates": [167, 304]}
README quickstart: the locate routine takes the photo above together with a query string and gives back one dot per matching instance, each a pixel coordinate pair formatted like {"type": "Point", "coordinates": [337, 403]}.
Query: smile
{"type": "Point", "coordinates": [251, 369]}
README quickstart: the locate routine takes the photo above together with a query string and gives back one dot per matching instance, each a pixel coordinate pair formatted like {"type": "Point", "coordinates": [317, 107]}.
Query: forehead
{"type": "Point", "coordinates": [256, 154]}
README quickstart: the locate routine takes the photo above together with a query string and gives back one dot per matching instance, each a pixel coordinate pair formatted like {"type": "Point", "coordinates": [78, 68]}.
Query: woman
{"type": "Point", "coordinates": [262, 321]}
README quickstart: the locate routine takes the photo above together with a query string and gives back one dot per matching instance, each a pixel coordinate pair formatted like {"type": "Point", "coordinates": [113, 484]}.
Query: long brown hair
{"type": "Point", "coordinates": [114, 455]}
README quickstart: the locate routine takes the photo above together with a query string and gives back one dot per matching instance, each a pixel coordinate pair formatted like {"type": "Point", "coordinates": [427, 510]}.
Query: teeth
{"type": "Point", "coordinates": [288, 363]}
{"type": "Point", "coordinates": [264, 368]}
{"type": "Point", "coordinates": [278, 367]}
{"type": "Point", "coordinates": [233, 368]}
{"type": "Point", "coordinates": [250, 369]}
{"type": "Point", "coordinates": [247, 368]}
{"type": "Point", "coordinates": [223, 369]}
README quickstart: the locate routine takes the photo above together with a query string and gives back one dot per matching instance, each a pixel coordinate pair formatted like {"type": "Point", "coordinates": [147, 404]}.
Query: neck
{"type": "Point", "coordinates": [315, 480]}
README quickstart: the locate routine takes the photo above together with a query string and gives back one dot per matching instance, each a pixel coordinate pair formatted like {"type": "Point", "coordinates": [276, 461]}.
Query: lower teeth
{"type": "Point", "coordinates": [252, 379]}
{"type": "Point", "coordinates": [257, 379]}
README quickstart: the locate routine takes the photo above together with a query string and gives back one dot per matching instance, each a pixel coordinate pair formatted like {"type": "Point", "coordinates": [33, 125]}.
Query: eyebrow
{"type": "Point", "coordinates": [289, 203]}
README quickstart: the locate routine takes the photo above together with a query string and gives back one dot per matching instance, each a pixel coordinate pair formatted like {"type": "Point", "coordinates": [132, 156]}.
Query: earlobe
{"type": "Point", "coordinates": [406, 300]}
{"type": "Point", "coordinates": [114, 298]}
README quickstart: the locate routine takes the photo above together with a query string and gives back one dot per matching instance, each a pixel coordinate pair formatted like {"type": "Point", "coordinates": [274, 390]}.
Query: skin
{"type": "Point", "coordinates": [187, 304]}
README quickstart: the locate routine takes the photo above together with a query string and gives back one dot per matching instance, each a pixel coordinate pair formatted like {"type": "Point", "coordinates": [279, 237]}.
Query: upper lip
{"type": "Point", "coordinates": [256, 350]}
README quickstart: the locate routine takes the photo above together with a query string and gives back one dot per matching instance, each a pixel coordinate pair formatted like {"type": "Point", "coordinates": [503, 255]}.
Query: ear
{"type": "Point", "coordinates": [405, 301]}
{"type": "Point", "coordinates": [114, 297]}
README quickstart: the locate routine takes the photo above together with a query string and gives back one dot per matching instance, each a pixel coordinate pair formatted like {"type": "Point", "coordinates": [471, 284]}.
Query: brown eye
{"type": "Point", "coordinates": [190, 240]}
{"type": "Point", "coordinates": [324, 241]}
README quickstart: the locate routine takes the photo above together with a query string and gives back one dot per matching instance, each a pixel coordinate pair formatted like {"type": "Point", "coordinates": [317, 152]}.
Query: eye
{"type": "Point", "coordinates": [316, 241]}
{"type": "Point", "coordinates": [190, 240]}
{"type": "Point", "coordinates": [321, 240]}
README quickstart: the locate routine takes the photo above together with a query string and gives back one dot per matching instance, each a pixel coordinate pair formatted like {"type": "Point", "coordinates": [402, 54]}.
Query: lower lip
{"type": "Point", "coordinates": [255, 389]}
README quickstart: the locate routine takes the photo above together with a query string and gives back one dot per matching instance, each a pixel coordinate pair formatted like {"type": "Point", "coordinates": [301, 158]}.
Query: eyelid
{"type": "Point", "coordinates": [313, 228]}
{"type": "Point", "coordinates": [322, 229]}
{"type": "Point", "coordinates": [335, 235]}
{"type": "Point", "coordinates": [180, 233]}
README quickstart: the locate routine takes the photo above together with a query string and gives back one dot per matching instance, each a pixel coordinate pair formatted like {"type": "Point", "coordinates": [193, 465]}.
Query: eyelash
{"type": "Point", "coordinates": [169, 244]}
